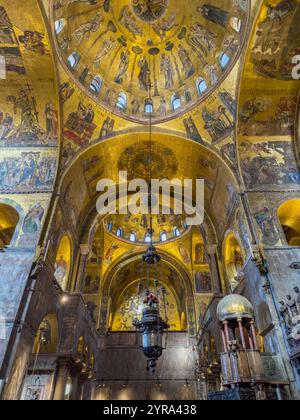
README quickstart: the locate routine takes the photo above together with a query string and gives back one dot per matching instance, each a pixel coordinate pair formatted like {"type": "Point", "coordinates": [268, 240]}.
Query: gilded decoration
{"type": "Point", "coordinates": [110, 51]}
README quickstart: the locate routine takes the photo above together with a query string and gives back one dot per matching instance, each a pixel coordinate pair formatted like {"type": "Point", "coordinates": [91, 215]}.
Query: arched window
{"type": "Point", "coordinates": [73, 60]}
{"type": "Point", "coordinates": [122, 102]}
{"type": "Point", "coordinates": [289, 216]}
{"type": "Point", "coordinates": [149, 106]}
{"type": "Point", "coordinates": [9, 218]}
{"type": "Point", "coordinates": [59, 25]}
{"type": "Point", "coordinates": [120, 233]}
{"type": "Point", "coordinates": [176, 232]}
{"type": "Point", "coordinates": [46, 339]}
{"type": "Point", "coordinates": [63, 262]}
{"type": "Point", "coordinates": [176, 102]}
{"type": "Point", "coordinates": [201, 85]}
{"type": "Point", "coordinates": [132, 237]}
{"type": "Point", "coordinates": [224, 60]}
{"type": "Point", "coordinates": [148, 238]}
{"type": "Point", "coordinates": [110, 226]}
{"type": "Point", "coordinates": [96, 85]}
{"type": "Point", "coordinates": [2, 68]}
{"type": "Point", "coordinates": [163, 236]}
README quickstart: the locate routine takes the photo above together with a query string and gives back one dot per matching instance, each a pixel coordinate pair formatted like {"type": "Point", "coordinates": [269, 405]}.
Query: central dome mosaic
{"type": "Point", "coordinates": [112, 49]}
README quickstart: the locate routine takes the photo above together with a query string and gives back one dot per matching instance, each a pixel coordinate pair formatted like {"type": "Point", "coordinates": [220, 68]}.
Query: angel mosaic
{"type": "Point", "coordinates": [123, 67]}
{"type": "Point", "coordinates": [129, 21]}
{"type": "Point", "coordinates": [107, 47]}
{"type": "Point", "coordinates": [85, 30]}
{"type": "Point", "coordinates": [165, 25]}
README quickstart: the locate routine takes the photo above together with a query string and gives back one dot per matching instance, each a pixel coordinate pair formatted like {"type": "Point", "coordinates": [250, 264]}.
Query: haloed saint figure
{"type": "Point", "coordinates": [61, 271]}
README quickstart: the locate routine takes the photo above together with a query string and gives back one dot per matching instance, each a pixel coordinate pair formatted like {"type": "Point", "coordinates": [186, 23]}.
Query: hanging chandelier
{"type": "Point", "coordinates": [151, 326]}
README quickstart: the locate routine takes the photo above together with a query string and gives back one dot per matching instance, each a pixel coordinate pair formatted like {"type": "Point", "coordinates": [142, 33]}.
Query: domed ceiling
{"type": "Point", "coordinates": [110, 48]}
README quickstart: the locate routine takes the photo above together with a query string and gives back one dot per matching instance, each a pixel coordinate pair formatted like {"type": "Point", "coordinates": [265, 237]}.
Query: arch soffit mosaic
{"type": "Point", "coordinates": [110, 278]}
{"type": "Point", "coordinates": [190, 125]}
{"type": "Point", "coordinates": [267, 117]}
{"type": "Point", "coordinates": [130, 153]}
{"type": "Point", "coordinates": [31, 111]}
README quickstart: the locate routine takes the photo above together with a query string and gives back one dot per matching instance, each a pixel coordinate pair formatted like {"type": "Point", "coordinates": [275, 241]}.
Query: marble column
{"type": "Point", "coordinates": [241, 330]}
{"type": "Point", "coordinates": [75, 390]}
{"type": "Point", "coordinates": [215, 274]}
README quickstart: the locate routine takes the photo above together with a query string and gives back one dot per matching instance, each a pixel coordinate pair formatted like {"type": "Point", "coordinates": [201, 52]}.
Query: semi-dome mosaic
{"type": "Point", "coordinates": [111, 49]}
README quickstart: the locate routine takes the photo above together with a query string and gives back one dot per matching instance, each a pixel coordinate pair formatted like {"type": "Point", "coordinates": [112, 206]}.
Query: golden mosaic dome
{"type": "Point", "coordinates": [110, 49]}
{"type": "Point", "coordinates": [234, 307]}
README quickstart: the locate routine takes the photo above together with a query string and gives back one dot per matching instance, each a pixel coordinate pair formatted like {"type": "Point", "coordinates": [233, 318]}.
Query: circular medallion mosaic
{"type": "Point", "coordinates": [149, 10]}
{"type": "Point", "coordinates": [138, 161]}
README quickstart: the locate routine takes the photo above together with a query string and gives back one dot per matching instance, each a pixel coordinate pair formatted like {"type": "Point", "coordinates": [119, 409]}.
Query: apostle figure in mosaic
{"type": "Point", "coordinates": [123, 67]}
{"type": "Point", "coordinates": [108, 46]}
{"type": "Point", "coordinates": [144, 74]}
{"type": "Point", "coordinates": [188, 68]}
{"type": "Point", "coordinates": [166, 68]}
